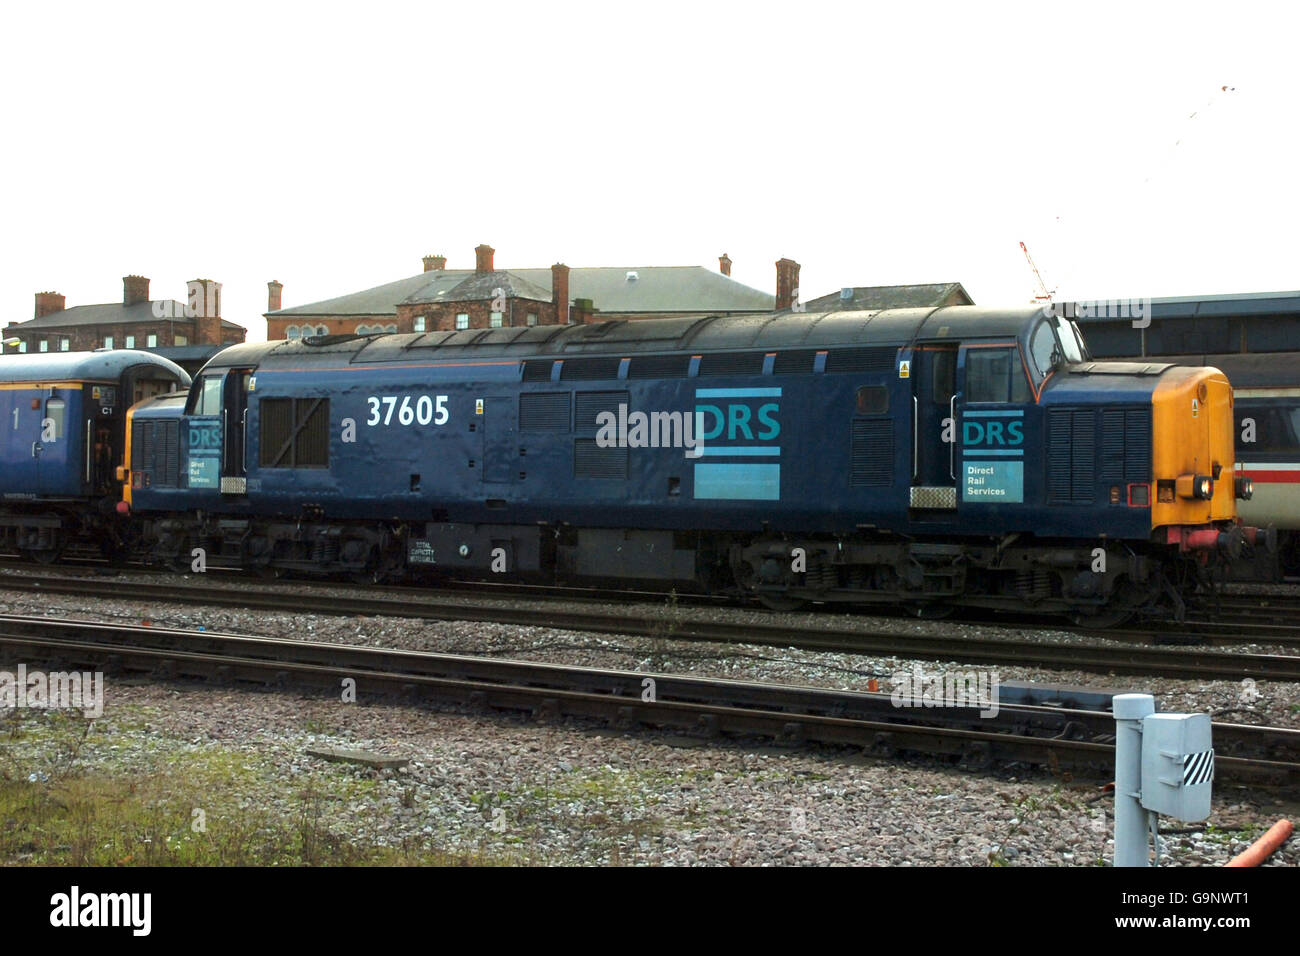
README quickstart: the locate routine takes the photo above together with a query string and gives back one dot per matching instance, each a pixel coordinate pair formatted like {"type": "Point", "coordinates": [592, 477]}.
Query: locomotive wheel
{"type": "Point", "coordinates": [1101, 619]}
{"type": "Point", "coordinates": [780, 602]}
{"type": "Point", "coordinates": [46, 556]}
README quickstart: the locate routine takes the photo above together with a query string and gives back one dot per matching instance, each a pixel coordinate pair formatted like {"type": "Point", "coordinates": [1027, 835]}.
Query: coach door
{"type": "Point", "coordinates": [22, 412]}
{"type": "Point", "coordinates": [934, 391]}
{"type": "Point", "coordinates": [52, 450]}
{"type": "Point", "coordinates": [234, 427]}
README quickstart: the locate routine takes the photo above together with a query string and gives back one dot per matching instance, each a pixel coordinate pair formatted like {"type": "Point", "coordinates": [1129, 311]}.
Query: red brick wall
{"type": "Point", "coordinates": [85, 338]}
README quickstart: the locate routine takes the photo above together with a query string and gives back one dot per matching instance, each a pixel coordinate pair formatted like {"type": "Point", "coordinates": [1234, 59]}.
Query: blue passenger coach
{"type": "Point", "coordinates": [63, 415]}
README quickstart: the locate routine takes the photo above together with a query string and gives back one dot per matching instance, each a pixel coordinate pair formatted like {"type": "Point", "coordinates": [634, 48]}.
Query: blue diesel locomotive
{"type": "Point", "coordinates": [64, 423]}
{"type": "Point", "coordinates": [919, 457]}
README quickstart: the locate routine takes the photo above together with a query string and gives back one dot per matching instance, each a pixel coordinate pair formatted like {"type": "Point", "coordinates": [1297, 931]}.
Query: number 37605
{"type": "Point", "coordinates": [424, 410]}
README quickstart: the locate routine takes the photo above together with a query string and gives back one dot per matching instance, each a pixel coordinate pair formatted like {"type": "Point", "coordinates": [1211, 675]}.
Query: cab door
{"type": "Point", "coordinates": [991, 425]}
{"type": "Point", "coordinates": [934, 395]}
{"type": "Point", "coordinates": [234, 426]}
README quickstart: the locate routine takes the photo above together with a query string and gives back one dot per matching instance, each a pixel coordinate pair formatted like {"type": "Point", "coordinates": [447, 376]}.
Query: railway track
{"type": "Point", "coordinates": [1268, 619]}
{"type": "Point", "coordinates": [1077, 740]}
{"type": "Point", "coordinates": [1119, 658]}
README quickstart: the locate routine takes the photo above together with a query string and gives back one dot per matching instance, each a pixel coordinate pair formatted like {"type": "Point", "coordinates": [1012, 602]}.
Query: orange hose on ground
{"type": "Point", "coordinates": [1263, 848]}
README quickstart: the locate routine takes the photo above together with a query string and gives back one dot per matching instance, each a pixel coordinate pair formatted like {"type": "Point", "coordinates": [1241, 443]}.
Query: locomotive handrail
{"type": "Point", "coordinates": [952, 445]}
{"type": "Point", "coordinates": [916, 426]}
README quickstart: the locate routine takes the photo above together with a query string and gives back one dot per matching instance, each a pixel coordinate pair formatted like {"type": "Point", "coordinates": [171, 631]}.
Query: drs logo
{"type": "Point", "coordinates": [993, 433]}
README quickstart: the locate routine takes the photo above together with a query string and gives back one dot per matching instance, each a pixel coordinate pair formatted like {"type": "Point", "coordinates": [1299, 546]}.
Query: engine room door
{"type": "Point", "coordinates": [934, 393]}
{"type": "Point", "coordinates": [500, 439]}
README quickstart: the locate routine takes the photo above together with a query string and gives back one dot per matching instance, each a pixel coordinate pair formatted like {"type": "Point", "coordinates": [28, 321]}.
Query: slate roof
{"type": "Point", "coordinates": [685, 289]}
{"type": "Point", "coordinates": [480, 286]}
{"type": "Point", "coordinates": [891, 297]}
{"type": "Point", "coordinates": [111, 313]}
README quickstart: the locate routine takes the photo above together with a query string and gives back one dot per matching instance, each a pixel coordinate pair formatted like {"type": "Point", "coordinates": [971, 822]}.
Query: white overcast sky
{"type": "Point", "coordinates": [331, 145]}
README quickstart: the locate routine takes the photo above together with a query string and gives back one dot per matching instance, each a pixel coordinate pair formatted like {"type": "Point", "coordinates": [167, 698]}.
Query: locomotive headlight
{"type": "Point", "coordinates": [1196, 487]}
{"type": "Point", "coordinates": [1245, 488]}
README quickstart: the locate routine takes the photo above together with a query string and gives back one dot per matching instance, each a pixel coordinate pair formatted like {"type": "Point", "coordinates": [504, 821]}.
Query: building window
{"type": "Point", "coordinates": [108, 341]}
{"type": "Point", "coordinates": [462, 320]}
{"type": "Point", "coordinates": [322, 330]}
{"type": "Point", "coordinates": [44, 345]}
{"type": "Point", "coordinates": [292, 332]}
{"type": "Point", "coordinates": [391, 330]}
{"type": "Point", "coordinates": [22, 346]}
{"type": "Point", "coordinates": [130, 341]}
{"type": "Point", "coordinates": [497, 320]}
{"type": "Point", "coordinates": [65, 343]}
{"type": "Point", "coordinates": [179, 340]}
{"type": "Point", "coordinates": [532, 318]}
{"type": "Point", "coordinates": [363, 330]}
{"type": "Point", "coordinates": [151, 340]}
{"type": "Point", "coordinates": [419, 323]}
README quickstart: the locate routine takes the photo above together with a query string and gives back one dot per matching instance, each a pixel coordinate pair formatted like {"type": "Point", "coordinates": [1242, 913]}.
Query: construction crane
{"type": "Point", "coordinates": [1046, 293]}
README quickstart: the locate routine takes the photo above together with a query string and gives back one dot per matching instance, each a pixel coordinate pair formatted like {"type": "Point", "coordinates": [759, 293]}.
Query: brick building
{"type": "Point", "coordinates": [187, 332]}
{"type": "Point", "coordinates": [486, 297]}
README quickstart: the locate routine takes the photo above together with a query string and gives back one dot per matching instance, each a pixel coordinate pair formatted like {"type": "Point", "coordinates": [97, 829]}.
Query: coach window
{"type": "Point", "coordinates": [995, 375]}
{"type": "Point", "coordinates": [56, 411]}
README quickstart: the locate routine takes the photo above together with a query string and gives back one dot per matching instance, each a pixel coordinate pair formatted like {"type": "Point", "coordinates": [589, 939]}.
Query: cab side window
{"type": "Point", "coordinates": [995, 375]}
{"type": "Point", "coordinates": [1041, 346]}
{"type": "Point", "coordinates": [206, 397]}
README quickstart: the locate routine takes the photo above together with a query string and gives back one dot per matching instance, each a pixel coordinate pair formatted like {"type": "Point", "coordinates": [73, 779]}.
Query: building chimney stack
{"type": "Point", "coordinates": [135, 289]}
{"type": "Point", "coordinates": [273, 291]}
{"type": "Point", "coordinates": [483, 258]}
{"type": "Point", "coordinates": [787, 284]}
{"type": "Point", "coordinates": [433, 263]}
{"type": "Point", "coordinates": [205, 304]}
{"type": "Point", "coordinates": [560, 292]}
{"type": "Point", "coordinates": [47, 303]}
{"type": "Point", "coordinates": [724, 264]}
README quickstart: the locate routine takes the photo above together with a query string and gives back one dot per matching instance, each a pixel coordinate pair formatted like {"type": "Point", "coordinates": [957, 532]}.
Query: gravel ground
{"type": "Point", "coordinates": [574, 793]}
{"type": "Point", "coordinates": [515, 791]}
